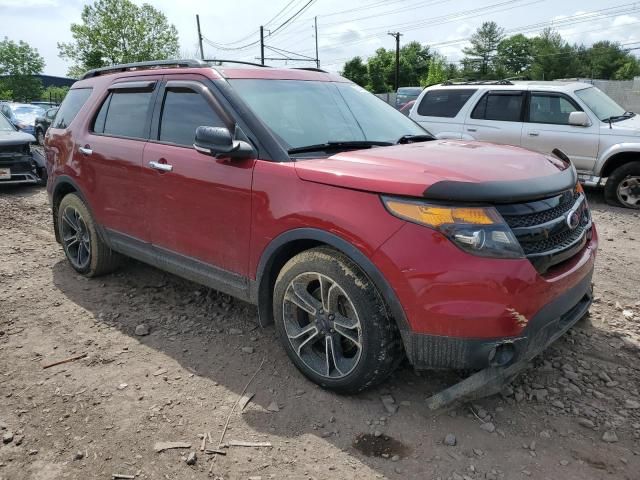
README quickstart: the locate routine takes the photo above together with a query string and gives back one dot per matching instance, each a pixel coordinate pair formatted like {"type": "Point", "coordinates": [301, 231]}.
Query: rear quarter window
{"type": "Point", "coordinates": [70, 107]}
{"type": "Point", "coordinates": [444, 103]}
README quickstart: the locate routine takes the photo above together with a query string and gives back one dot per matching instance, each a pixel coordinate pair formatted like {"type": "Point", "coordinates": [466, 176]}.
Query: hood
{"type": "Point", "coordinates": [629, 127]}
{"type": "Point", "coordinates": [10, 137]}
{"type": "Point", "coordinates": [444, 170]}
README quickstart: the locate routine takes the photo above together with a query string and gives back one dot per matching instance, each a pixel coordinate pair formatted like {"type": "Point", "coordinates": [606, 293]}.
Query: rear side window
{"type": "Point", "coordinates": [443, 103]}
{"type": "Point", "coordinates": [501, 106]}
{"type": "Point", "coordinates": [124, 114]}
{"type": "Point", "coordinates": [183, 111]}
{"type": "Point", "coordinates": [70, 107]}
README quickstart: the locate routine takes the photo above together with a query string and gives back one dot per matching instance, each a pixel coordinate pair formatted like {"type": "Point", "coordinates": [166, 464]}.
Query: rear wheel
{"type": "Point", "coordinates": [333, 323]}
{"type": "Point", "coordinates": [623, 186]}
{"type": "Point", "coordinates": [83, 247]}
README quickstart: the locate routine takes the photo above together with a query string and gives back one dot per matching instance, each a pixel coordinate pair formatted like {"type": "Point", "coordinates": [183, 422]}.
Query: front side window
{"type": "Point", "coordinates": [302, 113]}
{"type": "Point", "coordinates": [124, 114]}
{"type": "Point", "coordinates": [183, 111]}
{"type": "Point", "coordinates": [443, 103]}
{"type": "Point", "coordinates": [70, 107]}
{"type": "Point", "coordinates": [553, 109]}
{"type": "Point", "coordinates": [500, 106]}
{"type": "Point", "coordinates": [600, 103]}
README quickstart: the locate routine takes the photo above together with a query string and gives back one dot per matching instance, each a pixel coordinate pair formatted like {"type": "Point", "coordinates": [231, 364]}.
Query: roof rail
{"type": "Point", "coordinates": [477, 82]}
{"type": "Point", "coordinates": [218, 60]}
{"type": "Point", "coordinates": [311, 69]}
{"type": "Point", "coordinates": [143, 65]}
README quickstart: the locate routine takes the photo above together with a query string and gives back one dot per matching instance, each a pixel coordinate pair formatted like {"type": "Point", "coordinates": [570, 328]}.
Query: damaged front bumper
{"type": "Point", "coordinates": [549, 324]}
{"type": "Point", "coordinates": [19, 168]}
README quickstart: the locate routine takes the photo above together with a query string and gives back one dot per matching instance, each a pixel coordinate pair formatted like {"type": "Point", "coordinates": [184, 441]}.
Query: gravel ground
{"type": "Point", "coordinates": [573, 415]}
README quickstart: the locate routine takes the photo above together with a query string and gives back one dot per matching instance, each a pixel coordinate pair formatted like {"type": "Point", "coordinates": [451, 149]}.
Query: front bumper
{"type": "Point", "coordinates": [544, 328]}
{"type": "Point", "coordinates": [23, 169]}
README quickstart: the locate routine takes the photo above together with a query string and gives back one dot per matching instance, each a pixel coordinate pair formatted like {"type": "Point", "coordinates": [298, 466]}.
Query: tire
{"type": "Point", "coordinates": [351, 327]}
{"type": "Point", "coordinates": [39, 136]}
{"type": "Point", "coordinates": [88, 255]}
{"type": "Point", "coordinates": [623, 186]}
{"type": "Point", "coordinates": [42, 176]}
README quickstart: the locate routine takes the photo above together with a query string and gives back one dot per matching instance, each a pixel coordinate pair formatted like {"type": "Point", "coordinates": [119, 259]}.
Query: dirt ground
{"type": "Point", "coordinates": [573, 415]}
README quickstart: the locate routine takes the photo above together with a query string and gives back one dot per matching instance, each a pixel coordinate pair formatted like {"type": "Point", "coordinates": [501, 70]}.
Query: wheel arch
{"type": "Point", "coordinates": [292, 242]}
{"type": "Point", "coordinates": [618, 158]}
{"type": "Point", "coordinates": [63, 186]}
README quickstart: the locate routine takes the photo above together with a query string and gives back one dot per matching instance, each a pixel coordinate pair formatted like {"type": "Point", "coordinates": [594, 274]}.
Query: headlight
{"type": "Point", "coordinates": [477, 230]}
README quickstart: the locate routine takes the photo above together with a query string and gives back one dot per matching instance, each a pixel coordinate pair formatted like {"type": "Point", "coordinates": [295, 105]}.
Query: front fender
{"type": "Point", "coordinates": [613, 150]}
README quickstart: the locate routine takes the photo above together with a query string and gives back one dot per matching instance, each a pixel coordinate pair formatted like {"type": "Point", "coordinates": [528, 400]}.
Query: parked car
{"type": "Point", "coordinates": [17, 163]}
{"type": "Point", "coordinates": [406, 108]}
{"type": "Point", "coordinates": [406, 94]}
{"type": "Point", "coordinates": [600, 137]}
{"type": "Point", "coordinates": [43, 123]}
{"type": "Point", "coordinates": [45, 104]}
{"type": "Point", "coordinates": [22, 115]}
{"type": "Point", "coordinates": [358, 234]}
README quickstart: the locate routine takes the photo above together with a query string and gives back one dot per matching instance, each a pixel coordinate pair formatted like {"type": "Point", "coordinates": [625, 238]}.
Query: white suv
{"type": "Point", "coordinates": [598, 135]}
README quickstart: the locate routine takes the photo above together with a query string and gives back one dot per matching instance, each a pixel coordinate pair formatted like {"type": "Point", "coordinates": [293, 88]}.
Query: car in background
{"type": "Point", "coordinates": [600, 137]}
{"type": "Point", "coordinates": [22, 115]}
{"type": "Point", "coordinates": [45, 104]}
{"type": "Point", "coordinates": [17, 163]}
{"type": "Point", "coordinates": [43, 123]}
{"type": "Point", "coordinates": [406, 108]}
{"type": "Point", "coordinates": [406, 94]}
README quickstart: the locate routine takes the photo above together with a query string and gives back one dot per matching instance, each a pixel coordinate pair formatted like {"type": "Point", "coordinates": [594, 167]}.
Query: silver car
{"type": "Point", "coordinates": [599, 136]}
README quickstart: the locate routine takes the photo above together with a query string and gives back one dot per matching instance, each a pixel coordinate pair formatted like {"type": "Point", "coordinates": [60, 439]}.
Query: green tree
{"type": "Point", "coordinates": [380, 68]}
{"type": "Point", "coordinates": [119, 31]}
{"type": "Point", "coordinates": [414, 64]}
{"type": "Point", "coordinates": [19, 62]}
{"type": "Point", "coordinates": [607, 60]}
{"type": "Point", "coordinates": [54, 94]}
{"type": "Point", "coordinates": [438, 71]}
{"type": "Point", "coordinates": [484, 43]}
{"type": "Point", "coordinates": [356, 71]}
{"type": "Point", "coordinates": [553, 57]}
{"type": "Point", "coordinates": [515, 55]}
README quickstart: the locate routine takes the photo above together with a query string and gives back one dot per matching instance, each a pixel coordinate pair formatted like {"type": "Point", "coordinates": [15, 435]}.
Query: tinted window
{"type": "Point", "coordinates": [183, 111]}
{"type": "Point", "coordinates": [70, 107]}
{"type": "Point", "coordinates": [443, 103]}
{"type": "Point", "coordinates": [550, 109]}
{"type": "Point", "coordinates": [124, 114]}
{"type": "Point", "coordinates": [506, 107]}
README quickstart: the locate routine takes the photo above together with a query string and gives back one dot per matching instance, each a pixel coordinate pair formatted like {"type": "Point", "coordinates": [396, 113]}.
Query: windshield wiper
{"type": "Point", "coordinates": [423, 137]}
{"type": "Point", "coordinates": [356, 144]}
{"type": "Point", "coordinates": [618, 118]}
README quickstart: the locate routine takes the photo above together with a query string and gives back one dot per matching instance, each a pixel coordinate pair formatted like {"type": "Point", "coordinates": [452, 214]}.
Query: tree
{"type": "Point", "coordinates": [609, 60]}
{"type": "Point", "coordinates": [380, 68]}
{"type": "Point", "coordinates": [515, 55]}
{"type": "Point", "coordinates": [414, 63]}
{"type": "Point", "coordinates": [19, 62]}
{"type": "Point", "coordinates": [484, 43]}
{"type": "Point", "coordinates": [553, 57]}
{"type": "Point", "coordinates": [438, 71]}
{"type": "Point", "coordinates": [54, 94]}
{"type": "Point", "coordinates": [356, 71]}
{"type": "Point", "coordinates": [119, 31]}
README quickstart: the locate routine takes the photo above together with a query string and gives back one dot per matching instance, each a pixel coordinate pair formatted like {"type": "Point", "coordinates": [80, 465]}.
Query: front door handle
{"type": "Point", "coordinates": [534, 133]}
{"type": "Point", "coordinates": [162, 167]}
{"type": "Point", "coordinates": [472, 130]}
{"type": "Point", "coordinates": [85, 150]}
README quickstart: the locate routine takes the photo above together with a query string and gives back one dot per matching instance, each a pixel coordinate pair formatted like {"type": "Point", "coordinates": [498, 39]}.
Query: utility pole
{"type": "Point", "coordinates": [316, 27]}
{"type": "Point", "coordinates": [397, 36]}
{"type": "Point", "coordinates": [261, 44]}
{"type": "Point", "coordinates": [200, 37]}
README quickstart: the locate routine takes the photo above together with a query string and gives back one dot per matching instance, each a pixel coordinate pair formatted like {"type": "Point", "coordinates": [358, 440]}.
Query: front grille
{"type": "Point", "coordinates": [7, 149]}
{"type": "Point", "coordinates": [543, 229]}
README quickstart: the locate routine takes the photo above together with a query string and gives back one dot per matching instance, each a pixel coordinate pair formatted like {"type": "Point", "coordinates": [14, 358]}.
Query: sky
{"type": "Point", "coordinates": [345, 28]}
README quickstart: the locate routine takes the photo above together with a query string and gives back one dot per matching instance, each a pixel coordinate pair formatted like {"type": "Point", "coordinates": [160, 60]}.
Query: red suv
{"type": "Point", "coordinates": [354, 231]}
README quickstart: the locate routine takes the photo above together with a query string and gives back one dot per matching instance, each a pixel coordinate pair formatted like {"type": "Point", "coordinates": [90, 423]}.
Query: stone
{"type": "Point", "coordinates": [628, 314]}
{"type": "Point", "coordinates": [78, 455]}
{"type": "Point", "coordinates": [609, 436]}
{"type": "Point", "coordinates": [450, 440]}
{"type": "Point", "coordinates": [602, 375]}
{"type": "Point", "coordinates": [192, 458]}
{"type": "Point", "coordinates": [540, 395]}
{"type": "Point", "coordinates": [631, 404]}
{"type": "Point", "coordinates": [488, 427]}
{"type": "Point", "coordinates": [122, 386]}
{"type": "Point", "coordinates": [389, 404]}
{"type": "Point", "coordinates": [7, 437]}
{"type": "Point", "coordinates": [564, 463]}
{"type": "Point", "coordinates": [377, 433]}
{"type": "Point", "coordinates": [586, 423]}
{"type": "Point", "coordinates": [247, 350]}
{"type": "Point", "coordinates": [273, 407]}
{"type": "Point", "coordinates": [142, 330]}
{"type": "Point", "coordinates": [395, 458]}
{"type": "Point", "coordinates": [558, 404]}
{"type": "Point", "coordinates": [235, 331]}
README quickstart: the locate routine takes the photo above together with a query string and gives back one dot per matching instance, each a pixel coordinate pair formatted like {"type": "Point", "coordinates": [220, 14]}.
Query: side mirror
{"type": "Point", "coordinates": [218, 142]}
{"type": "Point", "coordinates": [579, 119]}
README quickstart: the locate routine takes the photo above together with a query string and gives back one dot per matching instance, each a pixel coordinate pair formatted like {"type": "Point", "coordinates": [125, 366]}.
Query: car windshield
{"type": "Point", "coordinates": [5, 125]}
{"type": "Point", "coordinates": [27, 112]}
{"type": "Point", "coordinates": [600, 103]}
{"type": "Point", "coordinates": [303, 113]}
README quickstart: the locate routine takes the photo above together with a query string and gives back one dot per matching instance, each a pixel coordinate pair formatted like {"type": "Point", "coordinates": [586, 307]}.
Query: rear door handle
{"type": "Point", "coordinates": [534, 134]}
{"type": "Point", "coordinates": [162, 167]}
{"type": "Point", "coordinates": [85, 150]}
{"type": "Point", "coordinates": [472, 130]}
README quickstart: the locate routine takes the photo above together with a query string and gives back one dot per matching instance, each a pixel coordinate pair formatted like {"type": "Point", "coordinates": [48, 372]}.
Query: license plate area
{"type": "Point", "coordinates": [5, 174]}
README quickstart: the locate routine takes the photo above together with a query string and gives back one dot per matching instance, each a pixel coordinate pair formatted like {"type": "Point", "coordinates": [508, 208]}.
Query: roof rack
{"type": "Point", "coordinates": [311, 69]}
{"type": "Point", "coordinates": [219, 60]}
{"type": "Point", "coordinates": [477, 82]}
{"type": "Point", "coordinates": [143, 65]}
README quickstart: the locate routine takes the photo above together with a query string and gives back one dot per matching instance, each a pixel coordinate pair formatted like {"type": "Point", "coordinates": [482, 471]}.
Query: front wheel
{"type": "Point", "coordinates": [333, 322]}
{"type": "Point", "coordinates": [623, 186]}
